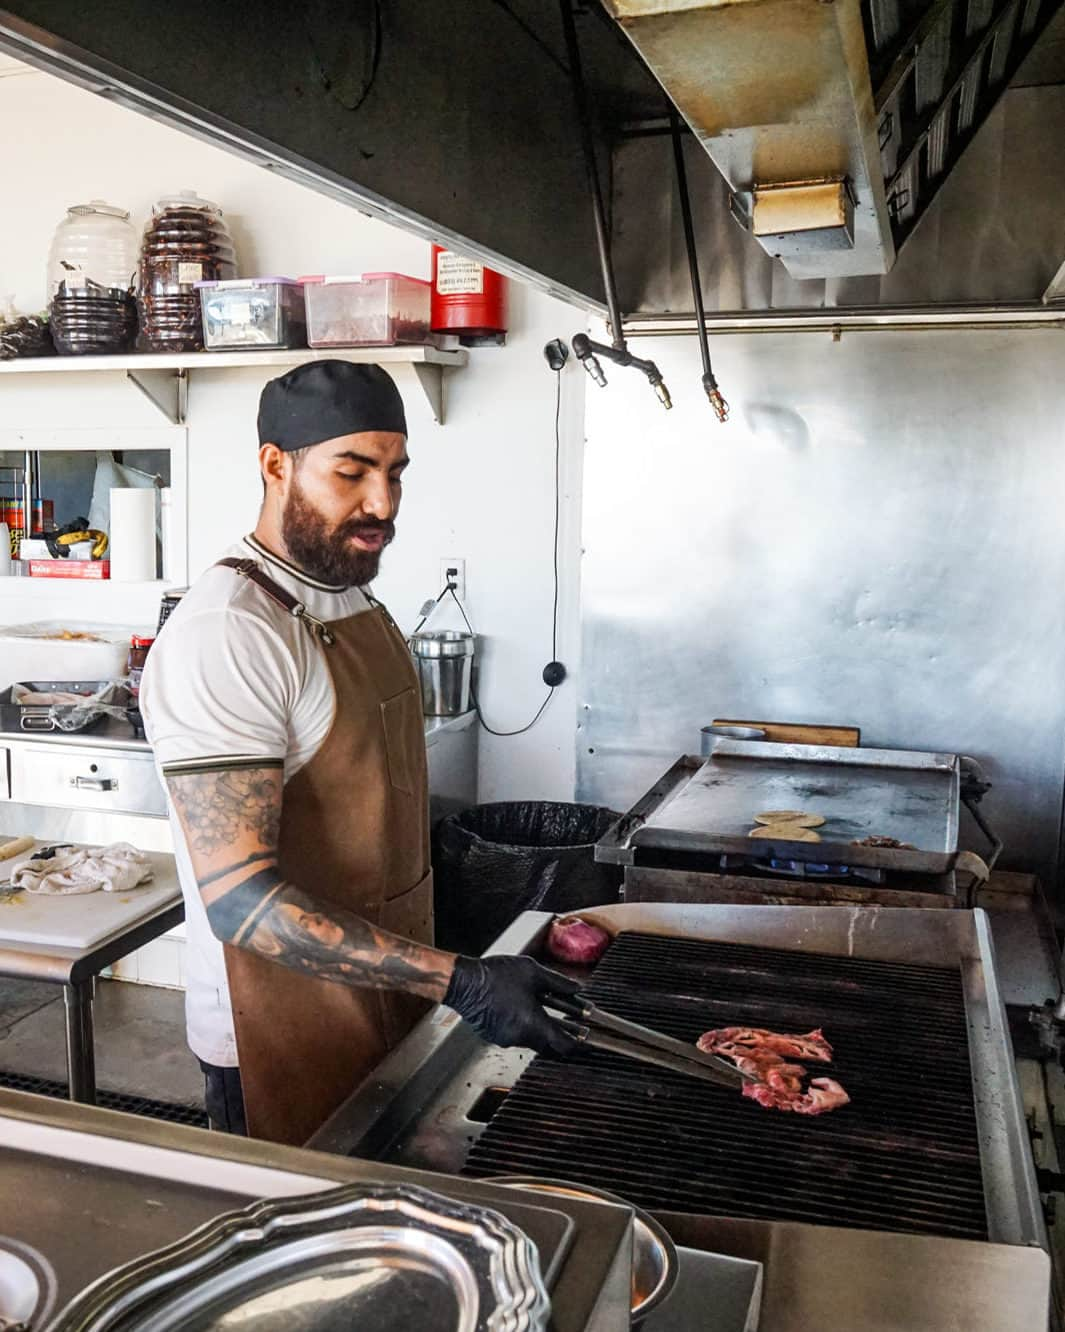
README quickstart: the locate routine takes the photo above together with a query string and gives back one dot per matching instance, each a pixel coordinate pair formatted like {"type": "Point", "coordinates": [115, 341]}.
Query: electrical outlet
{"type": "Point", "coordinates": [453, 571]}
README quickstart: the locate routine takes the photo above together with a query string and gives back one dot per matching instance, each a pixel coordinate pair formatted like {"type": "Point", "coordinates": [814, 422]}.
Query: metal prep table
{"type": "Point", "coordinates": [137, 918]}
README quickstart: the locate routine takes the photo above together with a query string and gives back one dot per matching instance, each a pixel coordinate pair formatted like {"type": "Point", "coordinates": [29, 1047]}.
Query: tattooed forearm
{"type": "Point", "coordinates": [277, 920]}
{"type": "Point", "coordinates": [231, 821]}
{"type": "Point", "coordinates": [218, 808]}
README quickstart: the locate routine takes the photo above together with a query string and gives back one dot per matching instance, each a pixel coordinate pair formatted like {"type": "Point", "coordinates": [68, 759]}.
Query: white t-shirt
{"type": "Point", "coordinates": [231, 677]}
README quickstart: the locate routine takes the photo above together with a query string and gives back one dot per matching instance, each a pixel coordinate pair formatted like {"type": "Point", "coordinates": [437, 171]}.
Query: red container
{"type": "Point", "coordinates": [468, 299]}
{"type": "Point", "coordinates": [94, 569]}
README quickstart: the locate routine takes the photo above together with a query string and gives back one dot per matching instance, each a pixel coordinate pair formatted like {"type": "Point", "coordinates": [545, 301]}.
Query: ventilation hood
{"type": "Point", "coordinates": [833, 122]}
{"type": "Point", "coordinates": [779, 94]}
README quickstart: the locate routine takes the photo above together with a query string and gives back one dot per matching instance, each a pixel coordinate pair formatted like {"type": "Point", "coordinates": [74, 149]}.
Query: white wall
{"type": "Point", "coordinates": [481, 486]}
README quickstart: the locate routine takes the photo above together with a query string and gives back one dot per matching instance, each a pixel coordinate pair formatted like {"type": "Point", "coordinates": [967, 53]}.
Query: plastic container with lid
{"type": "Point", "coordinates": [371, 310]}
{"type": "Point", "coordinates": [185, 241]}
{"type": "Point", "coordinates": [91, 268]}
{"type": "Point", "coordinates": [253, 312]}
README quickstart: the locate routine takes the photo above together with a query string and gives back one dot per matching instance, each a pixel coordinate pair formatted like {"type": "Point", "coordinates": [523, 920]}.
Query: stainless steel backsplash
{"type": "Point", "coordinates": [875, 538]}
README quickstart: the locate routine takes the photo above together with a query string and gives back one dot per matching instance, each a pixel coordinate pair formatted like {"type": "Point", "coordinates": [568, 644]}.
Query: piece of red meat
{"type": "Point", "coordinates": [760, 1052]}
{"type": "Point", "coordinates": [823, 1094]}
{"type": "Point", "coordinates": [749, 1039]}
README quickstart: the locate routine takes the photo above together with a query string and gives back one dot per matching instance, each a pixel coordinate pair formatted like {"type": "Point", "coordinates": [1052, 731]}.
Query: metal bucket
{"type": "Point", "coordinates": [444, 660]}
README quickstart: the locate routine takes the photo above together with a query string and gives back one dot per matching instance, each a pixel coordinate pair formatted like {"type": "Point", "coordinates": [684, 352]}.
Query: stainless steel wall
{"type": "Point", "coordinates": [875, 538]}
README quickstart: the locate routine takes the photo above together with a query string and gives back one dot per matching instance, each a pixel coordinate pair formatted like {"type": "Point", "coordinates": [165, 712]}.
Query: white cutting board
{"type": "Point", "coordinates": [78, 922]}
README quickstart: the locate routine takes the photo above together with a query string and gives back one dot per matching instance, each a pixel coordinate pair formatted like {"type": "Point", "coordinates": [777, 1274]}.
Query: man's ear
{"type": "Point", "coordinates": [272, 466]}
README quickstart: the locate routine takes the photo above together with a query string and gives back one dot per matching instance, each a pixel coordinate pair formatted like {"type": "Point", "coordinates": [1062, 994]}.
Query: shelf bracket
{"type": "Point", "coordinates": [431, 378]}
{"type": "Point", "coordinates": [167, 389]}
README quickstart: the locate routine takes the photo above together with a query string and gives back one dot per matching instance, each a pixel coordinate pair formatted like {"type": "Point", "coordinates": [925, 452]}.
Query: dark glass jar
{"type": "Point", "coordinates": [185, 241]}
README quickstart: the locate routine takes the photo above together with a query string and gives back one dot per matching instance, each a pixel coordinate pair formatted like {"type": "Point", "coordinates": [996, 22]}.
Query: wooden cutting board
{"type": "Point", "coordinates": [79, 922]}
{"type": "Point", "coordinates": [796, 733]}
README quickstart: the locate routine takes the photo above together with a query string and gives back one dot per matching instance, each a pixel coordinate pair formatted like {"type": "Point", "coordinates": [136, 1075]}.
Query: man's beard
{"type": "Point", "coordinates": [327, 553]}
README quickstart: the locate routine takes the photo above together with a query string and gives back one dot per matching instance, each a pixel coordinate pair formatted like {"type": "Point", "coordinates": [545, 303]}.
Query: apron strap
{"type": "Point", "coordinates": [250, 570]}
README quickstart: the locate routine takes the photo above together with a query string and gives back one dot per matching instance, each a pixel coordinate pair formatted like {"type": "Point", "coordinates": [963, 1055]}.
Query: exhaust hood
{"type": "Point", "coordinates": [779, 94]}
{"type": "Point", "coordinates": [833, 122]}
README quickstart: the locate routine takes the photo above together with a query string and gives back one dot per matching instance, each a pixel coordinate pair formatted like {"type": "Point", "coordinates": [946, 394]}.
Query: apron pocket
{"type": "Point", "coordinates": [404, 729]}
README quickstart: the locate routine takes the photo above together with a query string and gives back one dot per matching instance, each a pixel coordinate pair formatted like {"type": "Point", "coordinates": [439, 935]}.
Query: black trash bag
{"type": "Point", "coordinates": [493, 862]}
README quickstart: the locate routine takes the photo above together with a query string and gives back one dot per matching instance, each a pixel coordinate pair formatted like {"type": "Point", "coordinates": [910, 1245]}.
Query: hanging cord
{"type": "Point", "coordinates": [375, 61]}
{"type": "Point", "coordinates": [533, 35]}
{"type": "Point", "coordinates": [448, 589]}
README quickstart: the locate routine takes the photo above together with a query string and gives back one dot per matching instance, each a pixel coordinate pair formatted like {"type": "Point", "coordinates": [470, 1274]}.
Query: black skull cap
{"type": "Point", "coordinates": [325, 399]}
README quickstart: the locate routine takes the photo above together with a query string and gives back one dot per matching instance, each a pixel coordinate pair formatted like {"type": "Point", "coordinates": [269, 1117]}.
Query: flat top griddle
{"type": "Point", "coordinates": [903, 1156]}
{"type": "Point", "coordinates": [708, 806]}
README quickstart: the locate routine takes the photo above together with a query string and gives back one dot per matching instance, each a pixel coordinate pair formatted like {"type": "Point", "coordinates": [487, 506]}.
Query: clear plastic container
{"type": "Point", "coordinates": [96, 243]}
{"type": "Point", "coordinates": [91, 268]}
{"type": "Point", "coordinates": [374, 310]}
{"type": "Point", "coordinates": [185, 241]}
{"type": "Point", "coordinates": [252, 312]}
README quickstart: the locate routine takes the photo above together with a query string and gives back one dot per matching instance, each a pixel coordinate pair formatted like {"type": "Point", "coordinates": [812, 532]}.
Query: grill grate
{"type": "Point", "coordinates": [903, 1156]}
{"type": "Point", "coordinates": [126, 1101]}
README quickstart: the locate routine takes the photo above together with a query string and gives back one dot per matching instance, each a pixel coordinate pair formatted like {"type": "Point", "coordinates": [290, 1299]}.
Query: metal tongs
{"type": "Point", "coordinates": [605, 1031]}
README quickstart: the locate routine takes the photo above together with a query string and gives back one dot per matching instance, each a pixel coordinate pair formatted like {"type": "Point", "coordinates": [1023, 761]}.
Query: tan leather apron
{"type": "Point", "coordinates": [354, 834]}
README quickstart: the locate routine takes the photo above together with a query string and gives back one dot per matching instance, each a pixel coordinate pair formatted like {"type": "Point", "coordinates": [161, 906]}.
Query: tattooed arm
{"type": "Point", "coordinates": [231, 819]}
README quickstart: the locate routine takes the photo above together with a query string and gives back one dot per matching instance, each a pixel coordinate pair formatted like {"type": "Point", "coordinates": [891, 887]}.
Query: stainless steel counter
{"type": "Point", "coordinates": [97, 1189]}
{"type": "Point", "coordinates": [115, 734]}
{"type": "Point", "coordinates": [103, 786]}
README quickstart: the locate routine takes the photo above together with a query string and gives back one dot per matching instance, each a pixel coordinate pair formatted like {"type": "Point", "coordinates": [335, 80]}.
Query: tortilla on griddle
{"type": "Point", "coordinates": [785, 832]}
{"type": "Point", "coordinates": [776, 817]}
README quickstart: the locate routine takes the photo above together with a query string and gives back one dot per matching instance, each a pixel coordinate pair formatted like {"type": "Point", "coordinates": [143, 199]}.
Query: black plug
{"type": "Point", "coordinates": [556, 354]}
{"type": "Point", "coordinates": [554, 674]}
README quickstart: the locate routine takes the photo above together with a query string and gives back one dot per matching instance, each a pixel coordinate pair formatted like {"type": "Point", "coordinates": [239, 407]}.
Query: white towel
{"type": "Point", "coordinates": [87, 869]}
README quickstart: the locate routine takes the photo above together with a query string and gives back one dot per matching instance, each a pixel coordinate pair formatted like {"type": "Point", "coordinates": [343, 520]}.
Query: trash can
{"type": "Point", "coordinates": [492, 862]}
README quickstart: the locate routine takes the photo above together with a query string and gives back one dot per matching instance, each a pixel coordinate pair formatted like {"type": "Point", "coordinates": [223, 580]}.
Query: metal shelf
{"type": "Point", "coordinates": [164, 376]}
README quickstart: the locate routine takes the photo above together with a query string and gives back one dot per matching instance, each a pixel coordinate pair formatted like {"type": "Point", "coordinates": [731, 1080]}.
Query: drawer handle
{"type": "Point", "coordinates": [94, 783]}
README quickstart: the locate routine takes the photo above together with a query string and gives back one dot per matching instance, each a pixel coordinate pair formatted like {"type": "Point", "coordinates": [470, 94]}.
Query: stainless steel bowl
{"type": "Point", "coordinates": [654, 1255]}
{"type": "Point", "coordinates": [710, 735]}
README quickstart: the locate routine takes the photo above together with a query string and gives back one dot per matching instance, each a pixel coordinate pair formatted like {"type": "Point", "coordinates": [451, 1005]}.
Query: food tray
{"type": "Point", "coordinates": [42, 717]}
{"type": "Point", "coordinates": [396, 1260]}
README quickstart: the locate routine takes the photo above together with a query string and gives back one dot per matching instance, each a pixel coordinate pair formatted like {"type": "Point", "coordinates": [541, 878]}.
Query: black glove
{"type": "Point", "coordinates": [502, 999]}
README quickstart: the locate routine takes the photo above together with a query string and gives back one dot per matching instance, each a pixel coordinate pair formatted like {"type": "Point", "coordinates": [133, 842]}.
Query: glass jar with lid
{"type": "Point", "coordinates": [185, 241]}
{"type": "Point", "coordinates": [92, 264]}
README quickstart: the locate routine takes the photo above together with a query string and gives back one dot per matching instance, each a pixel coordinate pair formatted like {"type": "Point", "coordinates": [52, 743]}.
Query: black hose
{"type": "Point", "coordinates": [718, 403]}
{"type": "Point", "coordinates": [580, 98]}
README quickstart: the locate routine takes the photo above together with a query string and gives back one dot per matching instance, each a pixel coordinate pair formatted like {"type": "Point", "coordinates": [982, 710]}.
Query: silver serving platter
{"type": "Point", "coordinates": [390, 1260]}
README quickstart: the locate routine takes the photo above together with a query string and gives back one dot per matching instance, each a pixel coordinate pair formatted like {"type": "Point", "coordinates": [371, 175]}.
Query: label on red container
{"type": "Point", "coordinates": [456, 275]}
{"type": "Point", "coordinates": [94, 569]}
{"type": "Point", "coordinates": [189, 272]}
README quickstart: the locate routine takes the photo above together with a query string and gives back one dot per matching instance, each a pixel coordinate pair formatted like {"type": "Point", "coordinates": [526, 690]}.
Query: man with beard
{"type": "Point", "coordinates": [283, 709]}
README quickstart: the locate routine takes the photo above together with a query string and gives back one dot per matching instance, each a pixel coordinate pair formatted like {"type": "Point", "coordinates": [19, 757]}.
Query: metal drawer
{"type": "Point", "coordinates": [77, 777]}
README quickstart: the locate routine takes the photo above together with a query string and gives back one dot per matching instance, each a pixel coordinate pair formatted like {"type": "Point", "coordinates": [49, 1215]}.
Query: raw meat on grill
{"type": "Point", "coordinates": [757, 1040]}
{"type": "Point", "coordinates": [761, 1053]}
{"type": "Point", "coordinates": [823, 1094]}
